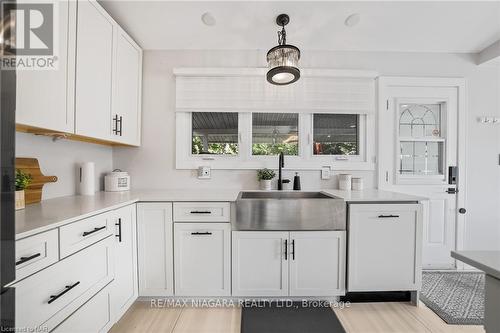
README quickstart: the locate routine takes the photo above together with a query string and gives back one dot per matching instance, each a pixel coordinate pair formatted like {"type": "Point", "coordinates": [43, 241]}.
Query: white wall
{"type": "Point", "coordinates": [61, 158]}
{"type": "Point", "coordinates": [153, 165]}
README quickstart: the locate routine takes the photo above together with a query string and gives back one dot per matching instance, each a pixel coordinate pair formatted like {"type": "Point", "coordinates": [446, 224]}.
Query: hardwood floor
{"type": "Point", "coordinates": [358, 318]}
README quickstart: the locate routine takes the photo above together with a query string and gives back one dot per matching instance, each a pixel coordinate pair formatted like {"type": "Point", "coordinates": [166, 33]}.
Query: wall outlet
{"type": "Point", "coordinates": [204, 172]}
{"type": "Point", "coordinates": [326, 172]}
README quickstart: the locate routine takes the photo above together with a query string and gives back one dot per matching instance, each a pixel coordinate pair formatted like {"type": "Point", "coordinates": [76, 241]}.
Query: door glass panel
{"type": "Point", "coordinates": [420, 120]}
{"type": "Point", "coordinates": [273, 133]}
{"type": "Point", "coordinates": [421, 158]}
{"type": "Point", "coordinates": [215, 133]}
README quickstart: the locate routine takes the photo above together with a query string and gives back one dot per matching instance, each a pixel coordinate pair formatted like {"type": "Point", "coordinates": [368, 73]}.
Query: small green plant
{"type": "Point", "coordinates": [23, 180]}
{"type": "Point", "coordinates": [265, 174]}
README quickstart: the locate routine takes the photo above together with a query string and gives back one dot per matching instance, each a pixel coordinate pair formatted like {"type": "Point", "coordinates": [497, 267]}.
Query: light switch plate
{"type": "Point", "coordinates": [204, 172]}
{"type": "Point", "coordinates": [326, 172]}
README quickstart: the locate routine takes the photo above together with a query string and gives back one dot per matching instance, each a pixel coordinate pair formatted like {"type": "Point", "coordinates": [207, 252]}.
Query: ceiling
{"type": "Point", "coordinates": [401, 26]}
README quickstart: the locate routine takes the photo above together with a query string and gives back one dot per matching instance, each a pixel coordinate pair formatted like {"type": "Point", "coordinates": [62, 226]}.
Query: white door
{"type": "Point", "coordinates": [126, 116]}
{"type": "Point", "coordinates": [202, 259]}
{"type": "Point", "coordinates": [94, 67]}
{"type": "Point", "coordinates": [155, 249]}
{"type": "Point", "coordinates": [384, 247]}
{"type": "Point", "coordinates": [418, 143]}
{"type": "Point", "coordinates": [317, 263]}
{"type": "Point", "coordinates": [124, 287]}
{"type": "Point", "coordinates": [260, 263]}
{"type": "Point", "coordinates": [45, 97]}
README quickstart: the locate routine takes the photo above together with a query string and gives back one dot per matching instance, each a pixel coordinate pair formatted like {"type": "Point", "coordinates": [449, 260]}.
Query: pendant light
{"type": "Point", "coordinates": [283, 60]}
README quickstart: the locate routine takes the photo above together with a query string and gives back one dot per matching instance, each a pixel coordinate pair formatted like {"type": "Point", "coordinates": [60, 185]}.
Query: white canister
{"type": "Point", "coordinates": [357, 184]}
{"type": "Point", "coordinates": [86, 180]}
{"type": "Point", "coordinates": [345, 181]}
{"type": "Point", "coordinates": [117, 181]}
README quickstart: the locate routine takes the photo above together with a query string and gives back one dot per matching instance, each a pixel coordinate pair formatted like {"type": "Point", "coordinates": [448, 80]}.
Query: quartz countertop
{"type": "Point", "coordinates": [52, 213]}
{"type": "Point", "coordinates": [487, 261]}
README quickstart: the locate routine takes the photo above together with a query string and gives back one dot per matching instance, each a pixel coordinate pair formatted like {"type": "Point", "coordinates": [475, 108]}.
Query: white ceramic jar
{"type": "Point", "coordinates": [345, 181]}
{"type": "Point", "coordinates": [357, 184]}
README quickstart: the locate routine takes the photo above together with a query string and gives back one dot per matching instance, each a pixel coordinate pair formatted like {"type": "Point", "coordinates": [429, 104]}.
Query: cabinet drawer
{"type": "Point", "coordinates": [384, 247]}
{"type": "Point", "coordinates": [201, 211]}
{"type": "Point", "coordinates": [202, 259]}
{"type": "Point", "coordinates": [93, 316]}
{"type": "Point", "coordinates": [36, 252]}
{"type": "Point", "coordinates": [50, 296]}
{"type": "Point", "coordinates": [76, 236]}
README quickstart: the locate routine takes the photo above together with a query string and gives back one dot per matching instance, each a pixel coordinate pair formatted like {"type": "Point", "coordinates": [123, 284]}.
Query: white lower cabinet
{"type": "Point", "coordinates": [317, 263]}
{"type": "Point", "coordinates": [155, 249]}
{"type": "Point", "coordinates": [124, 288]}
{"type": "Point", "coordinates": [275, 263]}
{"type": "Point", "coordinates": [202, 259]}
{"type": "Point", "coordinates": [93, 317]}
{"type": "Point", "coordinates": [384, 247]}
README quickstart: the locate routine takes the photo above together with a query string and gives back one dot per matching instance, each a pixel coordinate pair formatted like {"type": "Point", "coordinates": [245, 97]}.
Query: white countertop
{"type": "Point", "coordinates": [487, 261]}
{"type": "Point", "coordinates": [53, 213]}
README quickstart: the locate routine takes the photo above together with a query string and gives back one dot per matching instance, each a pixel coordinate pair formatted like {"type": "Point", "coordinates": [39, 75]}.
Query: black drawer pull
{"type": "Point", "coordinates": [119, 224]}
{"type": "Point", "coordinates": [22, 260]}
{"type": "Point", "coordinates": [293, 249]}
{"type": "Point", "coordinates": [387, 216]}
{"type": "Point", "coordinates": [201, 233]}
{"type": "Point", "coordinates": [67, 288]}
{"type": "Point", "coordinates": [286, 249]}
{"type": "Point", "coordinates": [201, 212]}
{"type": "Point", "coordinates": [86, 233]}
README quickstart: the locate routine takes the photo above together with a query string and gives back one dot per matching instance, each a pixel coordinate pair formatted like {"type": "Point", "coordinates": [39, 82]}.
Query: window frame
{"type": "Point", "coordinates": [305, 160]}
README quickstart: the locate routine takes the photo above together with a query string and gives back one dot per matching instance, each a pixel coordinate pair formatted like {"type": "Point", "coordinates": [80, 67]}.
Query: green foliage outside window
{"type": "Point", "coordinates": [275, 149]}
{"type": "Point", "coordinates": [214, 148]}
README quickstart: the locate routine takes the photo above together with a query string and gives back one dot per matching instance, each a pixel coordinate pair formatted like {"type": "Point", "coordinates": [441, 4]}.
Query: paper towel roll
{"type": "Point", "coordinates": [86, 185]}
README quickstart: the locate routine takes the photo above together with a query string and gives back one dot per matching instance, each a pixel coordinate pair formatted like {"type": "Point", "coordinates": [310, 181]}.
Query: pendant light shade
{"type": "Point", "coordinates": [283, 60]}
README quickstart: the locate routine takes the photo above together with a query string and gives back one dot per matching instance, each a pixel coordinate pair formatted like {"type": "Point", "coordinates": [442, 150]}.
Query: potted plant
{"type": "Point", "coordinates": [22, 182]}
{"type": "Point", "coordinates": [265, 176]}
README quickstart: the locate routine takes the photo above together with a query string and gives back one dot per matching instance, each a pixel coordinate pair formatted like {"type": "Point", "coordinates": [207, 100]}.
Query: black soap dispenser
{"type": "Point", "coordinates": [296, 182]}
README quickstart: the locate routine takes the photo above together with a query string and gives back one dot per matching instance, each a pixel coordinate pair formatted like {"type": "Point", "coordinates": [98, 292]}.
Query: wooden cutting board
{"type": "Point", "coordinates": [33, 193]}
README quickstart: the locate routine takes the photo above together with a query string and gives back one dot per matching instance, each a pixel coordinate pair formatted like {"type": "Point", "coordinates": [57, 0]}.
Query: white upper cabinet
{"type": "Point", "coordinates": [94, 70]}
{"type": "Point", "coordinates": [126, 115]}
{"type": "Point", "coordinates": [45, 97]}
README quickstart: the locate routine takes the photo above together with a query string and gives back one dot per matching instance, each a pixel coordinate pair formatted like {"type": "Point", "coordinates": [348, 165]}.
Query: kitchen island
{"type": "Point", "coordinates": [489, 263]}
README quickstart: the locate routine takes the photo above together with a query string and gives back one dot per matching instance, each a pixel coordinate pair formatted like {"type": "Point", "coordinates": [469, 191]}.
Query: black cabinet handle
{"type": "Point", "coordinates": [286, 249]}
{"type": "Point", "coordinates": [115, 124]}
{"type": "Point", "coordinates": [66, 289]}
{"type": "Point", "coordinates": [201, 233]}
{"type": "Point", "coordinates": [121, 125]}
{"type": "Point", "coordinates": [201, 212]}
{"type": "Point", "coordinates": [293, 249]}
{"type": "Point", "coordinates": [22, 260]}
{"type": "Point", "coordinates": [119, 224]}
{"type": "Point", "coordinates": [86, 233]}
{"type": "Point", "coordinates": [388, 216]}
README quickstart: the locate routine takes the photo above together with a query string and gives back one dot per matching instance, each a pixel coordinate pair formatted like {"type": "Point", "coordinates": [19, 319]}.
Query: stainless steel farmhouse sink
{"type": "Point", "coordinates": [276, 210]}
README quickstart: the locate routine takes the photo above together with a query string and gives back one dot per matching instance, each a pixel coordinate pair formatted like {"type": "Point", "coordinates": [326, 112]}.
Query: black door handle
{"type": "Point", "coordinates": [286, 249]}
{"type": "Point", "coordinates": [388, 216]}
{"type": "Point", "coordinates": [200, 212]}
{"type": "Point", "coordinates": [462, 210]}
{"type": "Point", "coordinates": [66, 289]}
{"type": "Point", "coordinates": [201, 233]}
{"type": "Point", "coordinates": [22, 260]}
{"type": "Point", "coordinates": [86, 233]}
{"type": "Point", "coordinates": [119, 224]}
{"type": "Point", "coordinates": [452, 190]}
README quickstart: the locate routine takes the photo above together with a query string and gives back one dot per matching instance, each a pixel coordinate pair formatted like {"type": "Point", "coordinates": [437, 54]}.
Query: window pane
{"type": "Point", "coordinates": [215, 133]}
{"type": "Point", "coordinates": [419, 120]}
{"type": "Point", "coordinates": [336, 134]}
{"type": "Point", "coordinates": [421, 158]}
{"type": "Point", "coordinates": [273, 133]}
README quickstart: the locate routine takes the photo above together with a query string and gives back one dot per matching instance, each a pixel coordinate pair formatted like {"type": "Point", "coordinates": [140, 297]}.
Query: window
{"type": "Point", "coordinates": [214, 133]}
{"type": "Point", "coordinates": [273, 133]}
{"type": "Point", "coordinates": [335, 134]}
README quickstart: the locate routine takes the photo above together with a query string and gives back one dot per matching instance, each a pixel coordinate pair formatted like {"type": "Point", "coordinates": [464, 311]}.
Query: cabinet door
{"type": "Point", "coordinates": [124, 288]}
{"type": "Point", "coordinates": [94, 60]}
{"type": "Point", "coordinates": [317, 263]}
{"type": "Point", "coordinates": [384, 247]}
{"type": "Point", "coordinates": [126, 117]}
{"type": "Point", "coordinates": [155, 249]}
{"type": "Point", "coordinates": [202, 259]}
{"type": "Point", "coordinates": [259, 263]}
{"type": "Point", "coordinates": [45, 97]}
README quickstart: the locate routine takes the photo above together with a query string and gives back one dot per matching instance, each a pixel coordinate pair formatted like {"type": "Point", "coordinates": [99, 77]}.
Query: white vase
{"type": "Point", "coordinates": [265, 184]}
{"type": "Point", "coordinates": [19, 199]}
